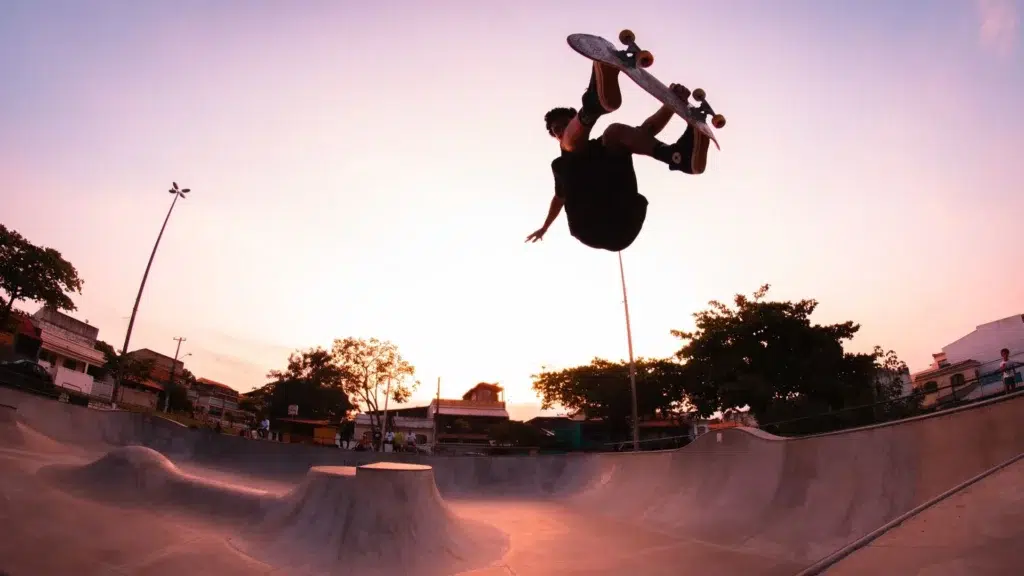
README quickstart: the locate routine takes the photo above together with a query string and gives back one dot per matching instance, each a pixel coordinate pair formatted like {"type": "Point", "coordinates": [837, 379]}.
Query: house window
{"type": "Point", "coordinates": [957, 380]}
{"type": "Point", "coordinates": [931, 387]}
{"type": "Point", "coordinates": [70, 364]}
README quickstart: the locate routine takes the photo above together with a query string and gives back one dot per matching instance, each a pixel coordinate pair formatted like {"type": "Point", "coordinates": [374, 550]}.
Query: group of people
{"type": "Point", "coordinates": [388, 442]}
{"type": "Point", "coordinates": [399, 442]}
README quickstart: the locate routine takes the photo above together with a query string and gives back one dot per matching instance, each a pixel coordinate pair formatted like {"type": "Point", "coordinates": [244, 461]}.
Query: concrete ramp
{"type": "Point", "coordinates": [738, 492]}
{"type": "Point", "coordinates": [976, 531]}
{"type": "Point", "coordinates": [385, 518]}
{"type": "Point", "coordinates": [142, 477]}
{"type": "Point", "coordinates": [800, 499]}
{"type": "Point", "coordinates": [14, 435]}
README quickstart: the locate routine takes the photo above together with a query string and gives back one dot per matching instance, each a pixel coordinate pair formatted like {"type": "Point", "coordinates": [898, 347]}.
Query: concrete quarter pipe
{"type": "Point", "coordinates": [94, 492]}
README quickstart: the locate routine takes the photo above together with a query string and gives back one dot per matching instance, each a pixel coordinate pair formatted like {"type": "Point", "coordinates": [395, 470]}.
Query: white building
{"type": "Point", "coordinates": [68, 350]}
{"type": "Point", "coordinates": [213, 398]}
{"type": "Point", "coordinates": [984, 343]}
{"type": "Point", "coordinates": [969, 366]}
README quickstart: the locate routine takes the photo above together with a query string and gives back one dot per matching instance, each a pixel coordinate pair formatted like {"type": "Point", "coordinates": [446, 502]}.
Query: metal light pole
{"type": "Point", "coordinates": [632, 365]}
{"type": "Point", "coordinates": [178, 193]}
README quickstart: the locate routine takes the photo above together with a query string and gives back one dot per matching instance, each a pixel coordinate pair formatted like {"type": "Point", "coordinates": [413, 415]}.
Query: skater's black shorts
{"type": "Point", "coordinates": [602, 204]}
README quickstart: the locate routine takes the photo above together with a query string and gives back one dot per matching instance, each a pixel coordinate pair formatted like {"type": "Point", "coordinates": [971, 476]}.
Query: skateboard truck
{"type": "Point", "coordinates": [633, 56]}
{"type": "Point", "coordinates": [631, 60]}
{"type": "Point", "coordinates": [717, 120]}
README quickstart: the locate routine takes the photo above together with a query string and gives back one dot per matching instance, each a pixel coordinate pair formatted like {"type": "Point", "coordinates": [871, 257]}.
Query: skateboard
{"type": "Point", "coordinates": [632, 61]}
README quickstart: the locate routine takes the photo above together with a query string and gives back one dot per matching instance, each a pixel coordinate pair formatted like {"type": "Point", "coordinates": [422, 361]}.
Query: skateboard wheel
{"type": "Point", "coordinates": [627, 36]}
{"type": "Point", "coordinates": [718, 121]}
{"type": "Point", "coordinates": [699, 94]}
{"type": "Point", "coordinates": [644, 59]}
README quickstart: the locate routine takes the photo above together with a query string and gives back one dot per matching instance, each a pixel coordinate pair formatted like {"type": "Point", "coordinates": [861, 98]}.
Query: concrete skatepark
{"type": "Point", "coordinates": [95, 492]}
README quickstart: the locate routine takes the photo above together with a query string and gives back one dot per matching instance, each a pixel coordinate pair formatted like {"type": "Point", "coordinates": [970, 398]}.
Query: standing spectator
{"type": "Point", "coordinates": [1009, 372]}
{"type": "Point", "coordinates": [400, 441]}
{"type": "Point", "coordinates": [348, 430]}
{"type": "Point", "coordinates": [389, 441]}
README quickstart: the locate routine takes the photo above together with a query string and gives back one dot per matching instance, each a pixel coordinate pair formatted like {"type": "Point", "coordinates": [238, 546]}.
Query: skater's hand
{"type": "Point", "coordinates": [538, 235]}
{"type": "Point", "coordinates": [679, 90]}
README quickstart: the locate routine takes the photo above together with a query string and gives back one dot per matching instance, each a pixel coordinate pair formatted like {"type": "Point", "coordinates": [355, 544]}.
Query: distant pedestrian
{"type": "Point", "coordinates": [1009, 371]}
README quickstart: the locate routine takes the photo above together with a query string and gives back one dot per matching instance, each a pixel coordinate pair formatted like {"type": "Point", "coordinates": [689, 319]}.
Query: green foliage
{"type": "Point", "coordinates": [34, 273]}
{"type": "Point", "coordinates": [763, 355]}
{"type": "Point", "coordinates": [602, 389]}
{"type": "Point", "coordinates": [770, 357]}
{"type": "Point", "coordinates": [177, 395]}
{"type": "Point", "coordinates": [131, 369]}
{"type": "Point", "coordinates": [253, 403]}
{"type": "Point", "coordinates": [372, 370]}
{"type": "Point", "coordinates": [313, 381]}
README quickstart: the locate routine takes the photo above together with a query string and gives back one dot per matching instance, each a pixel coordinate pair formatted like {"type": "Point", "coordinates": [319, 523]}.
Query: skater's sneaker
{"type": "Point", "coordinates": [689, 154]}
{"type": "Point", "coordinates": [602, 95]}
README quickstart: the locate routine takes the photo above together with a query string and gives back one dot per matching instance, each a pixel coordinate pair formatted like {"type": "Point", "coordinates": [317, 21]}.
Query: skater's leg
{"type": "Point", "coordinates": [602, 96]}
{"type": "Point", "coordinates": [689, 154]}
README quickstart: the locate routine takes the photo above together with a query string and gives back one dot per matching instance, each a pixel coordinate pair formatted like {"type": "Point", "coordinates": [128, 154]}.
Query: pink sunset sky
{"type": "Point", "coordinates": [364, 169]}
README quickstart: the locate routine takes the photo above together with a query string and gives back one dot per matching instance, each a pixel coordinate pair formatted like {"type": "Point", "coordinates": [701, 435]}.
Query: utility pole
{"type": "Point", "coordinates": [384, 425]}
{"type": "Point", "coordinates": [437, 412]}
{"type": "Point", "coordinates": [632, 365]}
{"type": "Point", "coordinates": [174, 366]}
{"type": "Point", "coordinates": [178, 193]}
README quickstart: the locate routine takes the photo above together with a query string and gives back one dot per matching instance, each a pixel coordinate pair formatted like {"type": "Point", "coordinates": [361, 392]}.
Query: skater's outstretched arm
{"type": "Point", "coordinates": [553, 210]}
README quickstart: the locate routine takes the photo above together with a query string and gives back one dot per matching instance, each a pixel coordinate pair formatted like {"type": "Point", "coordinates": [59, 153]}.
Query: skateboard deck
{"type": "Point", "coordinates": [631, 61]}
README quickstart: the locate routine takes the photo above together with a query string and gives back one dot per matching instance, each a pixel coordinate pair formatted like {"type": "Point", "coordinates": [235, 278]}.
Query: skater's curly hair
{"type": "Point", "coordinates": [557, 114]}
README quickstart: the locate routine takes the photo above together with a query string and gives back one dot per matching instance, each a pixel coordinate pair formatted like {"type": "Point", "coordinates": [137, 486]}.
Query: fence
{"type": "Point", "coordinates": [923, 400]}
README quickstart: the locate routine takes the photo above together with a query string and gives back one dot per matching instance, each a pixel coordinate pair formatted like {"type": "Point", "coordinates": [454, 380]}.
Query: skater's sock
{"type": "Point", "coordinates": [588, 117]}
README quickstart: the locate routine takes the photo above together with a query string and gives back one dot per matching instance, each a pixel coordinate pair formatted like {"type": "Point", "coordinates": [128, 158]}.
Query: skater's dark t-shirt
{"type": "Point", "coordinates": [593, 172]}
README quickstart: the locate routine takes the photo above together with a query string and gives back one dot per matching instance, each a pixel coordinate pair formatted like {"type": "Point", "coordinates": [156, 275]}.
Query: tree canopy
{"type": "Point", "coordinates": [355, 373]}
{"type": "Point", "coordinates": [602, 389]}
{"type": "Point", "coordinates": [313, 381]}
{"type": "Point", "coordinates": [765, 356]}
{"type": "Point", "coordinates": [34, 273]}
{"type": "Point", "coordinates": [374, 371]}
{"type": "Point", "coordinates": [770, 357]}
{"type": "Point", "coordinates": [131, 369]}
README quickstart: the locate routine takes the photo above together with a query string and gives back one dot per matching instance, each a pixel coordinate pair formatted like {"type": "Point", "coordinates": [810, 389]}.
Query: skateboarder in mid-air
{"type": "Point", "coordinates": [594, 178]}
